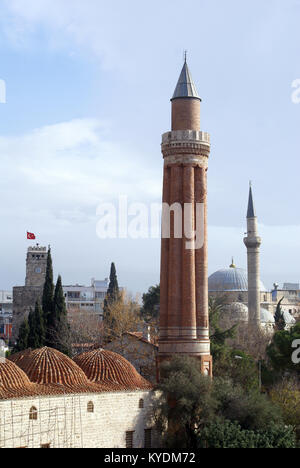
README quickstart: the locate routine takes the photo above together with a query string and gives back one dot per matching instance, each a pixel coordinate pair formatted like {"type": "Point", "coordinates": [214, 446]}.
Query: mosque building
{"type": "Point", "coordinates": [246, 297]}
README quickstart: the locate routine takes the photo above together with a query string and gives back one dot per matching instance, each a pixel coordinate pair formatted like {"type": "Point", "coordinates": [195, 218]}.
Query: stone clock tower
{"type": "Point", "coordinates": [25, 297]}
{"type": "Point", "coordinates": [184, 319]}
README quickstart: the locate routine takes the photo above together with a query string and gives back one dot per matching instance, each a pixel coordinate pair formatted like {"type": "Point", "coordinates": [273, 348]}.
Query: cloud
{"type": "Point", "coordinates": [66, 169]}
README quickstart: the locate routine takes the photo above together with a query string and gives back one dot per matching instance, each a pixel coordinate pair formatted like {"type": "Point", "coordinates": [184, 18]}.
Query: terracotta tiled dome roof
{"type": "Point", "coordinates": [47, 366]}
{"type": "Point", "coordinates": [17, 358]}
{"type": "Point", "coordinates": [105, 367]}
{"type": "Point", "coordinates": [14, 382]}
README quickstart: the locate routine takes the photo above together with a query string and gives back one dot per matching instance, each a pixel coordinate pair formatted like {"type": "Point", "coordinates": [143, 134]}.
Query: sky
{"type": "Point", "coordinates": [88, 88]}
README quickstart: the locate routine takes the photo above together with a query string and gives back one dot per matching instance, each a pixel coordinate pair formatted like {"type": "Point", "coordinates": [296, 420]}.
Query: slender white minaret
{"type": "Point", "coordinates": [253, 243]}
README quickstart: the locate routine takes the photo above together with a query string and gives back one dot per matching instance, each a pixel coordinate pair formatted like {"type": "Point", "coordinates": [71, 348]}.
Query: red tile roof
{"type": "Point", "coordinates": [103, 366]}
{"type": "Point", "coordinates": [46, 371]}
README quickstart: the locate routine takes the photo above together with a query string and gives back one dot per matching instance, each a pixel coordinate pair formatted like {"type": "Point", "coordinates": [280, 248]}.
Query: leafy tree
{"type": "Point", "coordinates": [286, 395]}
{"type": "Point", "coordinates": [122, 316]}
{"type": "Point", "coordinates": [280, 351]}
{"type": "Point", "coordinates": [47, 300]}
{"type": "Point", "coordinates": [184, 402]}
{"type": "Point", "coordinates": [194, 411]}
{"type": "Point", "coordinates": [279, 317]}
{"type": "Point", "coordinates": [58, 327]}
{"type": "Point", "coordinates": [218, 336]}
{"type": "Point", "coordinates": [251, 409]}
{"type": "Point", "coordinates": [227, 434]}
{"type": "Point", "coordinates": [229, 362]}
{"type": "Point", "coordinates": [36, 337]}
{"type": "Point", "coordinates": [151, 300]}
{"type": "Point", "coordinates": [22, 341]}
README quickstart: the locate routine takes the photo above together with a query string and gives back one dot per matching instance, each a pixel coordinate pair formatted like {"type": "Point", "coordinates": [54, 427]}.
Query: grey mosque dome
{"type": "Point", "coordinates": [230, 279]}
{"type": "Point", "coordinates": [238, 312]}
{"type": "Point", "coordinates": [288, 318]}
{"type": "Point", "coordinates": [266, 316]}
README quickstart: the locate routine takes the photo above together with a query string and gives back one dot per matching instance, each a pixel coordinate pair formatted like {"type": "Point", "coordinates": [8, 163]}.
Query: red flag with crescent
{"type": "Point", "coordinates": [30, 236]}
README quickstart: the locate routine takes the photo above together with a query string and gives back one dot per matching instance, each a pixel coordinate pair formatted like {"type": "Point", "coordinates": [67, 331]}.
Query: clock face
{"type": "Point", "coordinates": [38, 270]}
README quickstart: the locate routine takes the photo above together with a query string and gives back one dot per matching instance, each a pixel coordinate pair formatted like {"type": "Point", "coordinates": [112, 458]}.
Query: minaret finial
{"type": "Point", "coordinates": [185, 56]}
{"type": "Point", "coordinates": [232, 264]}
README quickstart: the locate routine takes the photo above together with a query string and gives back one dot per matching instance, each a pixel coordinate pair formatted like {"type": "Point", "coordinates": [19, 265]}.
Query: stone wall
{"type": "Point", "coordinates": [64, 422]}
{"type": "Point", "coordinates": [24, 298]}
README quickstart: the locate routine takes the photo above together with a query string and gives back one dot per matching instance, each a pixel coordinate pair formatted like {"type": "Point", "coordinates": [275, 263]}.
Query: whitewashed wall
{"type": "Point", "coordinates": [63, 421]}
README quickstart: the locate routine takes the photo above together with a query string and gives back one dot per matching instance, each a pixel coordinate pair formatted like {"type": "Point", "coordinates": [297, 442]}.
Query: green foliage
{"type": "Point", "coordinates": [194, 411]}
{"type": "Point", "coordinates": [47, 300]}
{"type": "Point", "coordinates": [279, 317]}
{"type": "Point", "coordinates": [218, 336]}
{"type": "Point", "coordinates": [36, 338]}
{"type": "Point", "coordinates": [252, 410]}
{"type": "Point", "coordinates": [242, 371]}
{"type": "Point", "coordinates": [113, 293]}
{"type": "Point", "coordinates": [280, 351]}
{"type": "Point", "coordinates": [227, 434]}
{"type": "Point", "coordinates": [185, 401]}
{"type": "Point", "coordinates": [112, 297]}
{"type": "Point", "coordinates": [22, 341]}
{"type": "Point", "coordinates": [58, 327]}
{"type": "Point", "coordinates": [151, 301]}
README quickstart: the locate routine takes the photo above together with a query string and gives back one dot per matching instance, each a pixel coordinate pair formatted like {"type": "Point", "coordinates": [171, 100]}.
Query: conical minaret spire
{"type": "Point", "coordinates": [186, 87]}
{"type": "Point", "coordinates": [185, 103]}
{"type": "Point", "coordinates": [251, 210]}
{"type": "Point", "coordinates": [253, 243]}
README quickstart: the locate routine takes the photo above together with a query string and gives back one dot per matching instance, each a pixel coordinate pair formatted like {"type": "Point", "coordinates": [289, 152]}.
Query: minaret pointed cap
{"type": "Point", "coordinates": [251, 211]}
{"type": "Point", "coordinates": [185, 87]}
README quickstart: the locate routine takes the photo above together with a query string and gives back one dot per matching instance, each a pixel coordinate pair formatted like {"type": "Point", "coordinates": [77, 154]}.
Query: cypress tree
{"type": "Point", "coordinates": [112, 295]}
{"type": "Point", "coordinates": [32, 330]}
{"type": "Point", "coordinates": [279, 317]}
{"type": "Point", "coordinates": [59, 330]}
{"type": "Point", "coordinates": [22, 341]}
{"type": "Point", "coordinates": [36, 338]}
{"type": "Point", "coordinates": [47, 300]}
{"type": "Point", "coordinates": [113, 292]}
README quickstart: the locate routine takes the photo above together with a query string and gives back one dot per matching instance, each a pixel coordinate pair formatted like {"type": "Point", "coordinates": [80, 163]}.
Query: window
{"type": "Point", "coordinates": [90, 407]}
{"type": "Point", "coordinates": [38, 270]}
{"type": "Point", "coordinates": [129, 439]}
{"type": "Point", "coordinates": [141, 403]}
{"type": "Point", "coordinates": [148, 438]}
{"type": "Point", "coordinates": [33, 414]}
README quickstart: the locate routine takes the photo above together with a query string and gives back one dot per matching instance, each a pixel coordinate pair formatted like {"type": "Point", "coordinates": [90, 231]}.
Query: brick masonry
{"type": "Point", "coordinates": [184, 322]}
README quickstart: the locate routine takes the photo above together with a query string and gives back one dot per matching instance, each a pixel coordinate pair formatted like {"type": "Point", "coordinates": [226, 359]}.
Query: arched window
{"type": "Point", "coordinates": [33, 414]}
{"type": "Point", "coordinates": [141, 403]}
{"type": "Point", "coordinates": [90, 407]}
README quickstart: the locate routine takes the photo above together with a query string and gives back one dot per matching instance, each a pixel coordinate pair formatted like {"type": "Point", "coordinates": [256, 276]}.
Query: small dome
{"type": "Point", "coordinates": [266, 316]}
{"type": "Point", "coordinates": [48, 366]}
{"type": "Point", "coordinates": [288, 318]}
{"type": "Point", "coordinates": [106, 367]}
{"type": "Point", "coordinates": [230, 279]}
{"type": "Point", "coordinates": [13, 381]}
{"type": "Point", "coordinates": [237, 311]}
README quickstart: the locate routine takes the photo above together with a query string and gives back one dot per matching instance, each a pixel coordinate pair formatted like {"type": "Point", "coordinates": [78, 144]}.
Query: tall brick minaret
{"type": "Point", "coordinates": [184, 320]}
{"type": "Point", "coordinates": [253, 243]}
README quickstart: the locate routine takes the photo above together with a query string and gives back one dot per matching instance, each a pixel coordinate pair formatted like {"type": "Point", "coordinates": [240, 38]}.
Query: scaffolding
{"type": "Point", "coordinates": [58, 425]}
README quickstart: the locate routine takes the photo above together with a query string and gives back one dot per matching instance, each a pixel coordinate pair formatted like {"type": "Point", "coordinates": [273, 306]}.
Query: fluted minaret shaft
{"type": "Point", "coordinates": [184, 323]}
{"type": "Point", "coordinates": [253, 243]}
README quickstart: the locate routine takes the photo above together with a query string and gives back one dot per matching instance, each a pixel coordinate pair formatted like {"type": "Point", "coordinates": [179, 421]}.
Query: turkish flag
{"type": "Point", "coordinates": [30, 236]}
